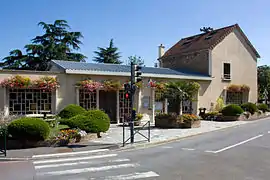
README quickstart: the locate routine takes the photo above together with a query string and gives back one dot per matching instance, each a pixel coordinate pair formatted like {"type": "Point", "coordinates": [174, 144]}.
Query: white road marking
{"type": "Point", "coordinates": [133, 176]}
{"type": "Point", "coordinates": [232, 146]}
{"type": "Point", "coordinates": [210, 151]}
{"type": "Point", "coordinates": [166, 147]}
{"type": "Point", "coordinates": [78, 163]}
{"type": "Point", "coordinates": [188, 149]}
{"type": "Point", "coordinates": [83, 170]}
{"type": "Point", "coordinates": [70, 153]}
{"type": "Point", "coordinates": [73, 159]}
{"type": "Point", "coordinates": [268, 132]}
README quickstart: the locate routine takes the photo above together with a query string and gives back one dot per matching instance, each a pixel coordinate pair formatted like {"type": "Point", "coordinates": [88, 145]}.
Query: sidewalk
{"type": "Point", "coordinates": [115, 134]}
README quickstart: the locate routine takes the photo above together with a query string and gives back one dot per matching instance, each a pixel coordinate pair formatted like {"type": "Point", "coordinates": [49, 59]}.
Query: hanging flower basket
{"type": "Point", "coordinates": [238, 88]}
{"type": "Point", "coordinates": [158, 85]}
{"type": "Point", "coordinates": [16, 82]}
{"type": "Point", "coordinates": [89, 85]}
{"type": "Point", "coordinates": [44, 83]}
{"type": "Point", "coordinates": [111, 85]}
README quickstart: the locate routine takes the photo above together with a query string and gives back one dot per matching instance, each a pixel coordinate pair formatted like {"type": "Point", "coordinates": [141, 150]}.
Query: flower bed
{"type": "Point", "coordinates": [44, 83]}
{"type": "Point", "coordinates": [64, 137]}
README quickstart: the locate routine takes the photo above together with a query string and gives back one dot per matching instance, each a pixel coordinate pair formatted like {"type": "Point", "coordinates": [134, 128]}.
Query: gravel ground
{"type": "Point", "coordinates": [115, 134]}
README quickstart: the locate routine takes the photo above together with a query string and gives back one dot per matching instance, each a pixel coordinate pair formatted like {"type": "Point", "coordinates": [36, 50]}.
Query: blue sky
{"type": "Point", "coordinates": [137, 27]}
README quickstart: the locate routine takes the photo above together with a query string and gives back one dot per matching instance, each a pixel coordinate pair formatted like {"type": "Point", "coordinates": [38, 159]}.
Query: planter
{"type": "Point", "coordinates": [167, 123]}
{"type": "Point", "coordinates": [233, 118]}
{"type": "Point", "coordinates": [191, 124]}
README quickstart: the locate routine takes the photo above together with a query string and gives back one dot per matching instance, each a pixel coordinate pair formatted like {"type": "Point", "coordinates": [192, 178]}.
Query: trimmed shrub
{"type": "Point", "coordinates": [29, 129]}
{"type": "Point", "coordinates": [93, 121]}
{"type": "Point", "coordinates": [71, 110]}
{"type": "Point", "coordinates": [263, 107]}
{"type": "Point", "coordinates": [232, 110]}
{"type": "Point", "coordinates": [99, 119]}
{"type": "Point", "coordinates": [249, 107]}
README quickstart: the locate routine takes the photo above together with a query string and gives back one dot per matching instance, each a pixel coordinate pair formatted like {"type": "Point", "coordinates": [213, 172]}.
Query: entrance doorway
{"type": "Point", "coordinates": [107, 103]}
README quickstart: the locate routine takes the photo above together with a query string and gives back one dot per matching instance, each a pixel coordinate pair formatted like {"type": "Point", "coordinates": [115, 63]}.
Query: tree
{"type": "Point", "coordinates": [56, 43]}
{"type": "Point", "coordinates": [135, 59]}
{"type": "Point", "coordinates": [180, 91]}
{"type": "Point", "coordinates": [263, 81]}
{"type": "Point", "coordinates": [108, 54]}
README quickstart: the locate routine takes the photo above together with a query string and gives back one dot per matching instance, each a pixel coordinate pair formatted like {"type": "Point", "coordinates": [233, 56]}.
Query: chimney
{"type": "Point", "coordinates": [161, 51]}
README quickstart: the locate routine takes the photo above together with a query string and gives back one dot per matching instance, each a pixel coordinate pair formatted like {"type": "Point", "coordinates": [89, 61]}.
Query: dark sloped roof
{"type": "Point", "coordinates": [205, 41]}
{"type": "Point", "coordinates": [71, 65]}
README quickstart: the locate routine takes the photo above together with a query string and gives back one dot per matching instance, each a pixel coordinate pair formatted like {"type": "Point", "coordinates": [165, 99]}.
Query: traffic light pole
{"type": "Point", "coordinates": [132, 80]}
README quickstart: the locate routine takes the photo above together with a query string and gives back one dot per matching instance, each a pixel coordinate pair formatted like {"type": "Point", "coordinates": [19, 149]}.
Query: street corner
{"type": "Point", "coordinates": [11, 170]}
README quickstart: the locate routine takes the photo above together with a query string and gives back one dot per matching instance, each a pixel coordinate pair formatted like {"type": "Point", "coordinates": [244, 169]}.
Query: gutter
{"type": "Point", "coordinates": [127, 74]}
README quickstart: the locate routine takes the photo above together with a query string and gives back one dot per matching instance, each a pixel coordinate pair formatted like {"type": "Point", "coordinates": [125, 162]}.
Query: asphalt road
{"type": "Point", "coordinates": [238, 153]}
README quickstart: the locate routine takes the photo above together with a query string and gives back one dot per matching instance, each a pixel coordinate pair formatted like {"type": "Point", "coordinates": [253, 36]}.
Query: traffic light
{"type": "Point", "coordinates": [127, 95]}
{"type": "Point", "coordinates": [136, 71]}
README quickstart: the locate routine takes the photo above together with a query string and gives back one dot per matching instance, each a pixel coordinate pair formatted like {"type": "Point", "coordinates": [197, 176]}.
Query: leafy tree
{"type": "Point", "coordinates": [180, 91]}
{"type": "Point", "coordinates": [56, 43]}
{"type": "Point", "coordinates": [263, 80]}
{"type": "Point", "coordinates": [108, 54]}
{"type": "Point", "coordinates": [135, 59]}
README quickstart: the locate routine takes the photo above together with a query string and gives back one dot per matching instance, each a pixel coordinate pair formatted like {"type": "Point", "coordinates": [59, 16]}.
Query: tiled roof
{"type": "Point", "coordinates": [70, 65]}
{"type": "Point", "coordinates": [205, 41]}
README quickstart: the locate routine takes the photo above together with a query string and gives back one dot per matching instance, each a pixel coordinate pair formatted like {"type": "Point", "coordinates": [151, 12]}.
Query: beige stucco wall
{"type": "Point", "coordinates": [243, 69]}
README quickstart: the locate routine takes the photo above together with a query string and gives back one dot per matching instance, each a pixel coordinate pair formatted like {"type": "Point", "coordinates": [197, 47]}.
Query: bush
{"type": "Point", "coordinates": [249, 107]}
{"type": "Point", "coordinates": [232, 110]}
{"type": "Point", "coordinates": [93, 121]}
{"type": "Point", "coordinates": [29, 129]}
{"type": "Point", "coordinates": [71, 110]}
{"type": "Point", "coordinates": [263, 107]}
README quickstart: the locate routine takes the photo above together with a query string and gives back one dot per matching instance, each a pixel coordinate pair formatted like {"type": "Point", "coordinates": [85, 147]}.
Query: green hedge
{"type": "Point", "coordinates": [93, 121]}
{"type": "Point", "coordinates": [71, 110]}
{"type": "Point", "coordinates": [232, 110]}
{"type": "Point", "coordinates": [263, 107]}
{"type": "Point", "coordinates": [29, 129]}
{"type": "Point", "coordinates": [249, 107]}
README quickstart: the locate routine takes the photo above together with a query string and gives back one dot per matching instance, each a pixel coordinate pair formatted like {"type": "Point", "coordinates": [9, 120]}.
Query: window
{"type": "Point", "coordinates": [235, 98]}
{"type": "Point", "coordinates": [88, 99]}
{"type": "Point", "coordinates": [29, 101]}
{"type": "Point", "coordinates": [226, 71]}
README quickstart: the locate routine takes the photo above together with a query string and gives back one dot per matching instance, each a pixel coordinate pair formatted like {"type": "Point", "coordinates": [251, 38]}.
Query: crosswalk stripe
{"type": "Point", "coordinates": [69, 153]}
{"type": "Point", "coordinates": [83, 170]}
{"type": "Point", "coordinates": [78, 163]}
{"type": "Point", "coordinates": [74, 159]}
{"type": "Point", "coordinates": [133, 176]}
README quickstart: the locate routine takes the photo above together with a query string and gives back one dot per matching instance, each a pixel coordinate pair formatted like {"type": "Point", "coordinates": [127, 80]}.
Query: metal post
{"type": "Point", "coordinates": [132, 79]}
{"type": "Point", "coordinates": [123, 133]}
{"type": "Point", "coordinates": [148, 131]}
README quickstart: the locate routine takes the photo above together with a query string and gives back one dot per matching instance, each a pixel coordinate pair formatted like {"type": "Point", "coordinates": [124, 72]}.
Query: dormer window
{"type": "Point", "coordinates": [226, 71]}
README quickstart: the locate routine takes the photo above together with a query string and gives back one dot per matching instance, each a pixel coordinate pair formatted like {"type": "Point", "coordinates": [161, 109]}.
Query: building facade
{"type": "Point", "coordinates": [216, 60]}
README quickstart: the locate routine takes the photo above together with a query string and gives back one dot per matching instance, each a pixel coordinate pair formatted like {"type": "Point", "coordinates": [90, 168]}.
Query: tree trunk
{"type": "Point", "coordinates": [180, 108]}
{"type": "Point", "coordinates": [98, 135]}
